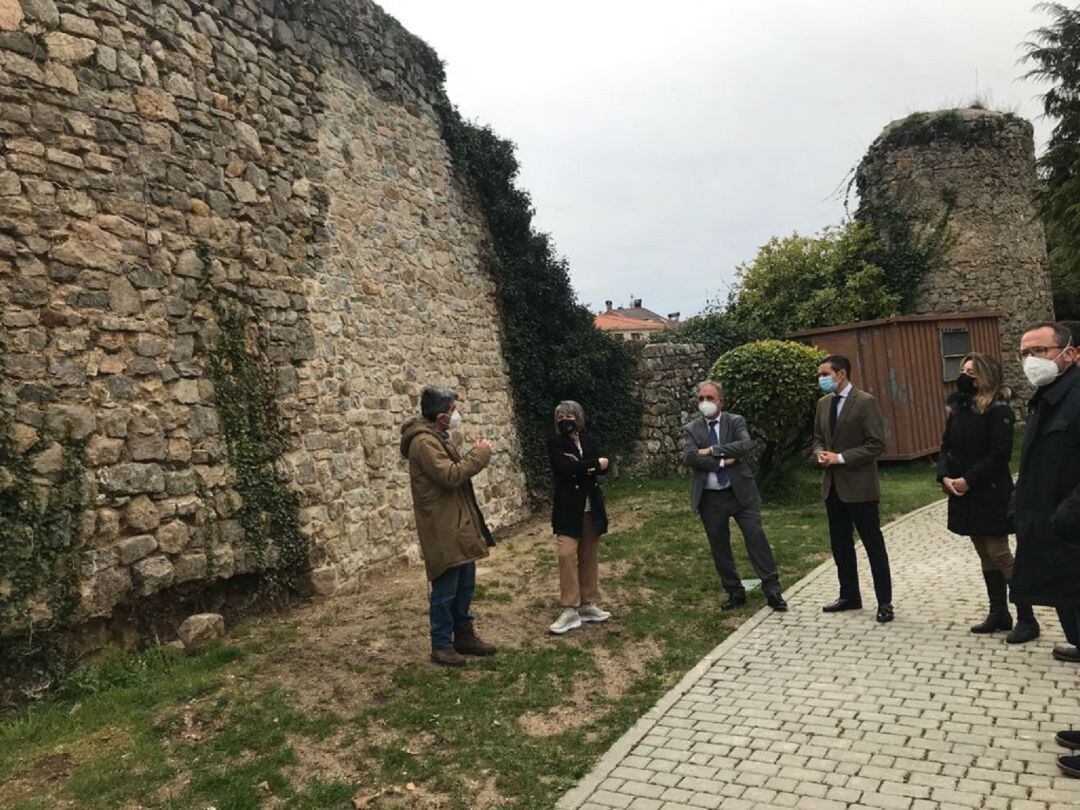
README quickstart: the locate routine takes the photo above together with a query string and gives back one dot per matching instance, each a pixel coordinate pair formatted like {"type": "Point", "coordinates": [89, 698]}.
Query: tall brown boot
{"type": "Point", "coordinates": [468, 643]}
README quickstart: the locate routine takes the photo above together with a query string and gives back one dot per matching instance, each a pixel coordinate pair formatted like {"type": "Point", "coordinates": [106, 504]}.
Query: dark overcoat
{"type": "Point", "coordinates": [977, 447]}
{"type": "Point", "coordinates": [576, 480]}
{"type": "Point", "coordinates": [1047, 498]}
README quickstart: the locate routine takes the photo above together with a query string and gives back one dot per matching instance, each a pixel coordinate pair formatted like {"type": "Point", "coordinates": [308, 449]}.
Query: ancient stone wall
{"type": "Point", "coordinates": [664, 380]}
{"type": "Point", "coordinates": [283, 156]}
{"type": "Point", "coordinates": [981, 165]}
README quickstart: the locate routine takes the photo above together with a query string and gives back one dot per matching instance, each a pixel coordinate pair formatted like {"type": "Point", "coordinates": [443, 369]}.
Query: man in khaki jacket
{"type": "Point", "coordinates": [849, 436]}
{"type": "Point", "coordinates": [452, 531]}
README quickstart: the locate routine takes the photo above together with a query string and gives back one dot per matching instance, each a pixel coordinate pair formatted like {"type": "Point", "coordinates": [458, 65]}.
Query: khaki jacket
{"type": "Point", "coordinates": [448, 520]}
{"type": "Point", "coordinates": [860, 438]}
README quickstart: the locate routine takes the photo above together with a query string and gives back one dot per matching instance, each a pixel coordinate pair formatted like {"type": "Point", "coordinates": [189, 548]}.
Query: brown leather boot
{"type": "Point", "coordinates": [466, 641]}
{"type": "Point", "coordinates": [447, 657]}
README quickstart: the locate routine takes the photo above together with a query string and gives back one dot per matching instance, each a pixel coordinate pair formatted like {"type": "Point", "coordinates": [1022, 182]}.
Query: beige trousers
{"type": "Point", "coordinates": [578, 561]}
{"type": "Point", "coordinates": [994, 554]}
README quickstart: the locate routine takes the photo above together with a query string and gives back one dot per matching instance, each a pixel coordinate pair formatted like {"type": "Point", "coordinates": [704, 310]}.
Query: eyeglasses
{"type": "Point", "coordinates": [1037, 351]}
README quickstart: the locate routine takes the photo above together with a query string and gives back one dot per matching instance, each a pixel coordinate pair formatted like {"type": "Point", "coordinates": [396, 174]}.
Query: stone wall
{"type": "Point", "coordinates": [298, 145]}
{"type": "Point", "coordinates": [984, 163]}
{"type": "Point", "coordinates": [664, 380]}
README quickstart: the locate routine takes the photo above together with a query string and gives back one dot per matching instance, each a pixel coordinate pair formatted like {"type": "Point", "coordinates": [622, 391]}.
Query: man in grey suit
{"type": "Point", "coordinates": [715, 447]}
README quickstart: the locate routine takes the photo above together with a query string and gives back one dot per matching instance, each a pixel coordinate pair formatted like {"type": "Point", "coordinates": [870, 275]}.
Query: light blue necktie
{"type": "Point", "coordinates": [714, 439]}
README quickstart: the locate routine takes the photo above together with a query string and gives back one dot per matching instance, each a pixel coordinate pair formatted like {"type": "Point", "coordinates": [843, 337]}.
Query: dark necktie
{"type": "Point", "coordinates": [834, 412]}
{"type": "Point", "coordinates": [714, 439]}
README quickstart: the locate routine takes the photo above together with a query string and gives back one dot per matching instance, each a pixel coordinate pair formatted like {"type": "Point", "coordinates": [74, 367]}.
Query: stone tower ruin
{"type": "Point", "coordinates": [974, 169]}
{"type": "Point", "coordinates": [160, 161]}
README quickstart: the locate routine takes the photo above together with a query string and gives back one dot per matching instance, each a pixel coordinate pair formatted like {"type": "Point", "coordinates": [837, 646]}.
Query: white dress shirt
{"type": "Point", "coordinates": [843, 401]}
{"type": "Point", "coordinates": [712, 482]}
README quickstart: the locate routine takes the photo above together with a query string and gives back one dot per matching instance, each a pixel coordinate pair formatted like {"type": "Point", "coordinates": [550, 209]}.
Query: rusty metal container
{"type": "Point", "coordinates": [909, 363]}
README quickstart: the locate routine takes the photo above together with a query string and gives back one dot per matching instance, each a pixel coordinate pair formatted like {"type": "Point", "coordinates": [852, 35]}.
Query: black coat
{"type": "Point", "coordinates": [575, 480]}
{"type": "Point", "coordinates": [1047, 498]}
{"type": "Point", "coordinates": [977, 447]}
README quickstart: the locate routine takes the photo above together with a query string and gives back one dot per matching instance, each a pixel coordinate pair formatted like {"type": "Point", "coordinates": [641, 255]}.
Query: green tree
{"type": "Point", "coordinates": [717, 329]}
{"type": "Point", "coordinates": [1054, 52]}
{"type": "Point", "coordinates": [804, 282]}
{"type": "Point", "coordinates": [773, 384]}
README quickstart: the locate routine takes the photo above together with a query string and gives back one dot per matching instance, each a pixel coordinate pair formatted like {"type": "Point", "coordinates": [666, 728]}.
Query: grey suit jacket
{"type": "Point", "coordinates": [735, 442]}
{"type": "Point", "coordinates": [860, 438]}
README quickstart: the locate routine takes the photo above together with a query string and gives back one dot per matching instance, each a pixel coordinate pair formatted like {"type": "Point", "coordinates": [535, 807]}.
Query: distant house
{"type": "Point", "coordinates": [633, 322]}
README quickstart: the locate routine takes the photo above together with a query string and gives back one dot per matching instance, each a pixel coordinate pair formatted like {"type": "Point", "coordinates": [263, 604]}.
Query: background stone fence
{"type": "Point", "coordinates": [664, 380]}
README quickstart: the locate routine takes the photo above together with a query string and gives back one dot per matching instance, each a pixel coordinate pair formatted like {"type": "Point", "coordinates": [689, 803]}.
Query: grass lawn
{"type": "Point", "coordinates": [335, 703]}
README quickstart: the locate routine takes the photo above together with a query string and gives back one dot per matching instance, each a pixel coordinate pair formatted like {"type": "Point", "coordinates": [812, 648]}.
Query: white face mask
{"type": "Point", "coordinates": [708, 409]}
{"type": "Point", "coordinates": [1040, 371]}
{"type": "Point", "coordinates": [455, 420]}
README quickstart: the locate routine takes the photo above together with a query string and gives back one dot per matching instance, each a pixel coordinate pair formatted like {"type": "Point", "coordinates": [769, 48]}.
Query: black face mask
{"type": "Point", "coordinates": [567, 426]}
{"type": "Point", "coordinates": [966, 384]}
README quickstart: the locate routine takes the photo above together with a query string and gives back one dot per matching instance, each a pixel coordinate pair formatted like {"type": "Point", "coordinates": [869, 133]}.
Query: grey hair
{"type": "Point", "coordinates": [435, 400]}
{"type": "Point", "coordinates": [719, 388]}
{"type": "Point", "coordinates": [570, 408]}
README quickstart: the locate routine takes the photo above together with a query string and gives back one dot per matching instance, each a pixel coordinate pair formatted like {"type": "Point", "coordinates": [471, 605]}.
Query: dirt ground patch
{"type": "Point", "coordinates": [341, 654]}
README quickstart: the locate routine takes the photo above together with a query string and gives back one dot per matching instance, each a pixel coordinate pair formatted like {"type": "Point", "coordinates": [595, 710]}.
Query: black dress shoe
{"type": "Point", "coordinates": [885, 613]}
{"type": "Point", "coordinates": [1070, 766]}
{"type": "Point", "coordinates": [1066, 652]}
{"type": "Point", "coordinates": [734, 600]}
{"type": "Point", "coordinates": [842, 604]}
{"type": "Point", "coordinates": [1068, 739]}
{"type": "Point", "coordinates": [777, 603]}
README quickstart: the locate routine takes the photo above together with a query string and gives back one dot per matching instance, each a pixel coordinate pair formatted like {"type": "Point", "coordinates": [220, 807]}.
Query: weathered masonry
{"type": "Point", "coordinates": [161, 160]}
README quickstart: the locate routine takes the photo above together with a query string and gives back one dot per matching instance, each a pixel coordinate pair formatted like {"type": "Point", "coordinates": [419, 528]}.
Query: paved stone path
{"type": "Point", "coordinates": [813, 711]}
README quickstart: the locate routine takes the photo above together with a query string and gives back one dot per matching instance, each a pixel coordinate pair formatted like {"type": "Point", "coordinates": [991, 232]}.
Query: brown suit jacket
{"type": "Point", "coordinates": [860, 438]}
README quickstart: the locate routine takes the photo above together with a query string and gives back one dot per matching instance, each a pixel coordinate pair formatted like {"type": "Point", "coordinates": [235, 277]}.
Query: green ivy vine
{"type": "Point", "coordinates": [269, 512]}
{"type": "Point", "coordinates": [39, 560]}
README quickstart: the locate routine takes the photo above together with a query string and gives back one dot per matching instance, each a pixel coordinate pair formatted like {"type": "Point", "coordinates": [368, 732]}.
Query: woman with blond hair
{"type": "Point", "coordinates": [973, 470]}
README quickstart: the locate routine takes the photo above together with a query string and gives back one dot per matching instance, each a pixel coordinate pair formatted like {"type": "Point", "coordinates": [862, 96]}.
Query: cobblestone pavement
{"type": "Point", "coordinates": [823, 711]}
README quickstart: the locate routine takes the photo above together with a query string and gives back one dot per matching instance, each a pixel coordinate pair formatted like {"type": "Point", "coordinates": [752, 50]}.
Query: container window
{"type": "Point", "coordinates": [955, 343]}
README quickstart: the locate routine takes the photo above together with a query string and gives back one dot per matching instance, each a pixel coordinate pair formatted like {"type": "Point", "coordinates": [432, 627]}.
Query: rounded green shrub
{"type": "Point", "coordinates": [773, 385]}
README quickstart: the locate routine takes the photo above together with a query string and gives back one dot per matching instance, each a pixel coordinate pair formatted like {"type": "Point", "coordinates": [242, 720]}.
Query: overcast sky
{"type": "Point", "coordinates": [662, 144]}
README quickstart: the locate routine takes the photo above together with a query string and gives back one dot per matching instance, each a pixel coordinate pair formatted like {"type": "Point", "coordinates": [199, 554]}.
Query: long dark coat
{"type": "Point", "coordinates": [977, 447]}
{"type": "Point", "coordinates": [1047, 498]}
{"type": "Point", "coordinates": [576, 480]}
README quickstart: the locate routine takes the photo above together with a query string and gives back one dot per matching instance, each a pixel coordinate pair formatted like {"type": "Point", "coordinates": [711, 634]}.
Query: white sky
{"type": "Point", "coordinates": [662, 144]}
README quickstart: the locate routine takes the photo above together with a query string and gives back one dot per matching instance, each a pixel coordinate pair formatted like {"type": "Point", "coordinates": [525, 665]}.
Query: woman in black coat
{"type": "Point", "coordinates": [973, 470]}
{"type": "Point", "coordinates": [578, 517]}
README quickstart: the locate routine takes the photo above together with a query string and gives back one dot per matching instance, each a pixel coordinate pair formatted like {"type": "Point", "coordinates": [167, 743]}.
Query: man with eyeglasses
{"type": "Point", "coordinates": [715, 447]}
{"type": "Point", "coordinates": [1046, 501]}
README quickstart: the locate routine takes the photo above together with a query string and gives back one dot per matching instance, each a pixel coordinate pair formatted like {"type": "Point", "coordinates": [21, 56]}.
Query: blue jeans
{"type": "Point", "coordinates": [451, 595]}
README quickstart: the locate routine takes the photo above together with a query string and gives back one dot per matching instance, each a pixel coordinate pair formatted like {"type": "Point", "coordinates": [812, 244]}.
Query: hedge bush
{"type": "Point", "coordinates": [773, 384]}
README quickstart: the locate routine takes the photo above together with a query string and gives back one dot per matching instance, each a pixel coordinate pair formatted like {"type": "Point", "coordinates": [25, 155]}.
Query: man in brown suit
{"type": "Point", "coordinates": [849, 436]}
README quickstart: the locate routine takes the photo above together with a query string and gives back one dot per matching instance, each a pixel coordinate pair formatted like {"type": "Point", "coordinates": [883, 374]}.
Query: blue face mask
{"type": "Point", "coordinates": [827, 385]}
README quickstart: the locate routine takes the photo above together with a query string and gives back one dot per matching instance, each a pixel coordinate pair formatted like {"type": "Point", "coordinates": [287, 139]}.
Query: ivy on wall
{"type": "Point", "coordinates": [269, 511]}
{"type": "Point", "coordinates": [913, 237]}
{"type": "Point", "coordinates": [552, 348]}
{"type": "Point", "coordinates": [39, 561]}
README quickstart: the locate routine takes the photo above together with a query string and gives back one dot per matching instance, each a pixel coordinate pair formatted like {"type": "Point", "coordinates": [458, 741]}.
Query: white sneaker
{"type": "Point", "coordinates": [593, 613]}
{"type": "Point", "coordinates": [568, 620]}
